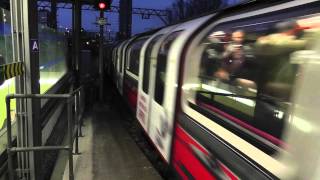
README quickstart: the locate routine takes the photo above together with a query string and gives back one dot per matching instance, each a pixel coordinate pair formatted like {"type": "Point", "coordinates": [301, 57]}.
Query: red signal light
{"type": "Point", "coordinates": [102, 5]}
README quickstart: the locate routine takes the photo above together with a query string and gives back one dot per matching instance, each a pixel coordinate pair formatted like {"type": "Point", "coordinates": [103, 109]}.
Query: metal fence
{"type": "Point", "coordinates": [73, 131]}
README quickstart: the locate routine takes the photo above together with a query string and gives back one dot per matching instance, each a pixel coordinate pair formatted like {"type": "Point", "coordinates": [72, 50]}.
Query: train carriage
{"type": "Point", "coordinates": [127, 67]}
{"type": "Point", "coordinates": [238, 108]}
{"type": "Point", "coordinates": [231, 95]}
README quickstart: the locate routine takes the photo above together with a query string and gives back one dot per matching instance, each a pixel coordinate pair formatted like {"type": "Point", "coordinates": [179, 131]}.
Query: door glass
{"type": "Point", "coordinates": [121, 58]}
{"type": "Point", "coordinates": [162, 66]}
{"type": "Point", "coordinates": [134, 56]}
{"type": "Point", "coordinates": [146, 66]}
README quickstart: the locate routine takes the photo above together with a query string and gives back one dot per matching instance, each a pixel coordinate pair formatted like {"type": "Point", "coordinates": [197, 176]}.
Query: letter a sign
{"type": "Point", "coordinates": [34, 45]}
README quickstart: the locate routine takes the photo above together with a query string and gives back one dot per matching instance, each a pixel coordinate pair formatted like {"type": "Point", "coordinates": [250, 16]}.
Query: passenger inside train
{"type": "Point", "coordinates": [247, 73]}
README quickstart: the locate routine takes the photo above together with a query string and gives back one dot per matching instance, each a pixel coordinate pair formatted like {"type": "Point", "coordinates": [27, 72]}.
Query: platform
{"type": "Point", "coordinates": [107, 151]}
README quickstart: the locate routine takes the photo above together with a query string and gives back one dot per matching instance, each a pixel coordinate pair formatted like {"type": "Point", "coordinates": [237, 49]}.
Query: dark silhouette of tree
{"type": "Point", "coordinates": [184, 9]}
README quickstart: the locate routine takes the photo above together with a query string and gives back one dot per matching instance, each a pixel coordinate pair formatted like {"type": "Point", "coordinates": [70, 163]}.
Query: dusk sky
{"type": "Point", "coordinates": [138, 24]}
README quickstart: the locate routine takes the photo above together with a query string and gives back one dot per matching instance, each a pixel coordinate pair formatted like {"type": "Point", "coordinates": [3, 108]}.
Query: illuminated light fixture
{"type": "Point", "coordinates": [190, 86]}
{"type": "Point", "coordinates": [213, 89]}
{"type": "Point", "coordinates": [302, 124]}
{"type": "Point", "coordinates": [102, 5]}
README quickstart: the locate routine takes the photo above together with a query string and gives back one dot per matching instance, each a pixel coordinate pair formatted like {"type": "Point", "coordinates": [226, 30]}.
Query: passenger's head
{"type": "Point", "coordinates": [238, 36]}
{"type": "Point", "coordinates": [287, 27]}
{"type": "Point", "coordinates": [217, 36]}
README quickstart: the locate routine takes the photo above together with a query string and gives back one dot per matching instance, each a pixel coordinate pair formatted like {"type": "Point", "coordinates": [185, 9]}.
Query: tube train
{"type": "Point", "coordinates": [230, 95]}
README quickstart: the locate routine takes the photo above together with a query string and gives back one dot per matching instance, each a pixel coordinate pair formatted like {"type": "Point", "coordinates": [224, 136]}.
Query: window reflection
{"type": "Point", "coordinates": [147, 62]}
{"type": "Point", "coordinates": [8, 87]}
{"type": "Point", "coordinates": [134, 56]}
{"type": "Point", "coordinates": [162, 61]}
{"type": "Point", "coordinates": [247, 75]}
{"type": "Point", "coordinates": [52, 57]}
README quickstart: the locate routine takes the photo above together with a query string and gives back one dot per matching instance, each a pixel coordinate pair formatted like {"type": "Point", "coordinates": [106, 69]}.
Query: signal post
{"type": "Point", "coordinates": [102, 21]}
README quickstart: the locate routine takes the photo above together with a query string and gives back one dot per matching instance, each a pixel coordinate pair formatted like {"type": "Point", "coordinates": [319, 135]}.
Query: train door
{"type": "Point", "coordinates": [122, 64]}
{"type": "Point", "coordinates": [160, 126]}
{"type": "Point", "coordinates": [143, 87]}
{"type": "Point", "coordinates": [132, 72]}
{"type": "Point", "coordinates": [115, 66]}
{"type": "Point", "coordinates": [113, 63]}
{"type": "Point", "coordinates": [165, 67]}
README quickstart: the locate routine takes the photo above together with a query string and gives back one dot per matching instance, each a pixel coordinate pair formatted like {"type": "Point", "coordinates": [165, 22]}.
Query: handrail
{"type": "Point", "coordinates": [71, 133]}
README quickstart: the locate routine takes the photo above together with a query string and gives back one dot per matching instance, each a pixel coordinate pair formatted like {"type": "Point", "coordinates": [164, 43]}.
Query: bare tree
{"type": "Point", "coordinates": [183, 9]}
{"type": "Point", "coordinates": [178, 10]}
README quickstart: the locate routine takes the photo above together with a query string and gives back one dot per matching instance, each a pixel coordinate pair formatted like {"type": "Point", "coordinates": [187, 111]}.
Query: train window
{"type": "Point", "coordinates": [162, 65]}
{"type": "Point", "coordinates": [246, 76]}
{"type": "Point", "coordinates": [115, 61]}
{"type": "Point", "coordinates": [122, 51]}
{"type": "Point", "coordinates": [115, 56]}
{"type": "Point", "coordinates": [146, 64]}
{"type": "Point", "coordinates": [118, 58]}
{"type": "Point", "coordinates": [134, 56]}
{"type": "Point", "coordinates": [127, 57]}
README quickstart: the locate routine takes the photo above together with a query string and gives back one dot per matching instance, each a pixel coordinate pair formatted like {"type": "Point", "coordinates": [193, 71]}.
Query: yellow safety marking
{"type": "Point", "coordinates": [3, 73]}
{"type": "Point", "coordinates": [12, 70]}
{"type": "Point", "coordinates": [16, 69]}
{"type": "Point", "coordinates": [7, 71]}
{"type": "Point", "coordinates": [19, 68]}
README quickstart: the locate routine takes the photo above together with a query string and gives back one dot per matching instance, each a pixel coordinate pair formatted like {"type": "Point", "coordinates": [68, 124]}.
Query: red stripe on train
{"type": "Point", "coordinates": [132, 96]}
{"type": "Point", "coordinates": [228, 172]}
{"type": "Point", "coordinates": [185, 161]}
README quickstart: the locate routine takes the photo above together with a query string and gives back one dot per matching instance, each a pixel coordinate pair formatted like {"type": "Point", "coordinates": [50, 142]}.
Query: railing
{"type": "Point", "coordinates": [73, 132]}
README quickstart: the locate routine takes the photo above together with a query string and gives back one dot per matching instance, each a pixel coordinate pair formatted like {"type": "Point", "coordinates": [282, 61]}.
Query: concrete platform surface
{"type": "Point", "coordinates": [108, 152]}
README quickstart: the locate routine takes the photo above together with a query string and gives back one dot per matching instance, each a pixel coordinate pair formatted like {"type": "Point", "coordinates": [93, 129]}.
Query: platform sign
{"type": "Point", "coordinates": [34, 45]}
{"type": "Point", "coordinates": [102, 21]}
